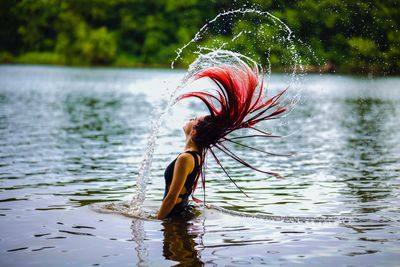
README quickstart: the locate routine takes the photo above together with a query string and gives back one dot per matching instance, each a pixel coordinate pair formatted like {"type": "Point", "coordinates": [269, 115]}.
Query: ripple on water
{"type": "Point", "coordinates": [64, 147]}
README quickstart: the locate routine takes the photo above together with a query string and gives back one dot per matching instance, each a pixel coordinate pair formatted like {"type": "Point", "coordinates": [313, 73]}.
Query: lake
{"type": "Point", "coordinates": [74, 137]}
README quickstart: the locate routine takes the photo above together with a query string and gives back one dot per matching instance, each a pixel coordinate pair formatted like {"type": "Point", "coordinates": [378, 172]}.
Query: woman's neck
{"type": "Point", "coordinates": [190, 145]}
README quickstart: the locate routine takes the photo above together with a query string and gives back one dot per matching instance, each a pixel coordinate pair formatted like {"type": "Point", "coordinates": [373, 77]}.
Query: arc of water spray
{"type": "Point", "coordinates": [243, 11]}
{"type": "Point", "coordinates": [144, 168]}
{"type": "Point", "coordinates": [296, 59]}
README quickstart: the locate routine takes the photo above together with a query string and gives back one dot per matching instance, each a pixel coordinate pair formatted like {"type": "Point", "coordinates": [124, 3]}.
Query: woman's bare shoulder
{"type": "Point", "coordinates": [185, 158]}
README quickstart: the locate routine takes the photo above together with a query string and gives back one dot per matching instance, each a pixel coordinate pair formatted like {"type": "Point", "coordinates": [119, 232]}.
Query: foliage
{"type": "Point", "coordinates": [354, 36]}
{"type": "Point", "coordinates": [41, 58]}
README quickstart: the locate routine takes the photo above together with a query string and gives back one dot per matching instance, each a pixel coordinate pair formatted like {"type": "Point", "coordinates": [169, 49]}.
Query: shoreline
{"type": "Point", "coordinates": [308, 69]}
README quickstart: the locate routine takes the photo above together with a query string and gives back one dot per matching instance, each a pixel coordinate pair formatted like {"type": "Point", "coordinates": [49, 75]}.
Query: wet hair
{"type": "Point", "coordinates": [239, 103]}
{"type": "Point", "coordinates": [208, 132]}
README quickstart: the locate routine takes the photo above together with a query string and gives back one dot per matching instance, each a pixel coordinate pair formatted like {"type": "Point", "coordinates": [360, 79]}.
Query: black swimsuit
{"type": "Point", "coordinates": [182, 207]}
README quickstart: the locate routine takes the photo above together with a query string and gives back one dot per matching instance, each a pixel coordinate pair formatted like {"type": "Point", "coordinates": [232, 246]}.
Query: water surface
{"type": "Point", "coordinates": [71, 137]}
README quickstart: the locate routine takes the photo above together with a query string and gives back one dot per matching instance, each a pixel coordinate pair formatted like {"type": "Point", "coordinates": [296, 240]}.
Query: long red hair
{"type": "Point", "coordinates": [239, 102]}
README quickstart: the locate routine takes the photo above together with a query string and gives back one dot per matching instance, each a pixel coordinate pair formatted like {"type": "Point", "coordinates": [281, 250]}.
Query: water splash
{"type": "Point", "coordinates": [216, 55]}
{"type": "Point", "coordinates": [144, 168]}
{"type": "Point", "coordinates": [150, 214]}
{"type": "Point", "coordinates": [199, 35]}
{"type": "Point", "coordinates": [258, 36]}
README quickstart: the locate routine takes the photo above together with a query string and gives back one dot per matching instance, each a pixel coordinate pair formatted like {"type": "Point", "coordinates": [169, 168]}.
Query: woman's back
{"type": "Point", "coordinates": [191, 179]}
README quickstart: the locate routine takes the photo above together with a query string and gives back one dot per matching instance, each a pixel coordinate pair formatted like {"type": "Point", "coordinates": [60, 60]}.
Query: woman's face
{"type": "Point", "coordinates": [188, 127]}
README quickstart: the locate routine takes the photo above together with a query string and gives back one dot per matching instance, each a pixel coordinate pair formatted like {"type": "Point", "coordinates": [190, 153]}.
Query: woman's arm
{"type": "Point", "coordinates": [183, 166]}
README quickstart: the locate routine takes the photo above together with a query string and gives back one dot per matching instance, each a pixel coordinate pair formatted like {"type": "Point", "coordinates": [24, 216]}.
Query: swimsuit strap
{"type": "Point", "coordinates": [193, 151]}
{"type": "Point", "coordinates": [196, 163]}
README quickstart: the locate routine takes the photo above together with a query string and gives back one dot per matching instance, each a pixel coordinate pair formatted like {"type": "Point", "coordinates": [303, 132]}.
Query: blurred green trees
{"type": "Point", "coordinates": [354, 36]}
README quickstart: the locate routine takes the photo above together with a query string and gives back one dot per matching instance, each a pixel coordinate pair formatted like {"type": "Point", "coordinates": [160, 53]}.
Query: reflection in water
{"type": "Point", "coordinates": [180, 242]}
{"type": "Point", "coordinates": [139, 235]}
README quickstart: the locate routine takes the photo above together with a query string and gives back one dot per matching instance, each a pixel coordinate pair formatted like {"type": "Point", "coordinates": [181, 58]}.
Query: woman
{"type": "Point", "coordinates": [239, 103]}
{"type": "Point", "coordinates": [181, 174]}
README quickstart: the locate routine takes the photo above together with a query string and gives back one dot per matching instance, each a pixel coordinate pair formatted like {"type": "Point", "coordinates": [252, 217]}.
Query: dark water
{"type": "Point", "coordinates": [72, 137]}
